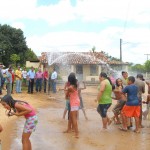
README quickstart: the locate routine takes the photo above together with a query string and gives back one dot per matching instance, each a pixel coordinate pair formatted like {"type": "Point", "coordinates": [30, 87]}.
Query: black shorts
{"type": "Point", "coordinates": [102, 109]}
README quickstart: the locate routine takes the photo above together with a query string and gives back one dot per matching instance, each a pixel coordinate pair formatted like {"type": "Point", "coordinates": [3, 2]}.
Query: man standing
{"type": "Point", "coordinates": [39, 78]}
{"type": "Point", "coordinates": [18, 75]}
{"type": "Point", "coordinates": [9, 81]}
{"type": "Point", "coordinates": [30, 78]}
{"type": "Point", "coordinates": [141, 89]}
{"type": "Point", "coordinates": [24, 75]}
{"type": "Point", "coordinates": [53, 80]}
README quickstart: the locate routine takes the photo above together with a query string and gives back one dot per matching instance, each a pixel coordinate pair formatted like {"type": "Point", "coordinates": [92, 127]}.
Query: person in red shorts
{"type": "Point", "coordinates": [132, 106]}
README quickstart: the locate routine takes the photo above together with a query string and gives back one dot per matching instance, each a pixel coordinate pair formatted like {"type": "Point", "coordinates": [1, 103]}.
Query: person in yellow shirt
{"type": "Point", "coordinates": [18, 75]}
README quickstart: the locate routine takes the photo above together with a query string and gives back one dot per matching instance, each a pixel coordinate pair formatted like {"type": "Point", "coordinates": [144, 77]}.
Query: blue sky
{"type": "Point", "coordinates": [78, 25]}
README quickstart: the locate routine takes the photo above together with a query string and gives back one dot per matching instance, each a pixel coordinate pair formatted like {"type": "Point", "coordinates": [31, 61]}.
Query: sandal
{"type": "Point", "coordinates": [122, 129]}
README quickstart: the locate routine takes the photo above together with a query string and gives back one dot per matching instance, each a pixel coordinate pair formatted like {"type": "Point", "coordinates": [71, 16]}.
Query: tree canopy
{"type": "Point", "coordinates": [12, 41]}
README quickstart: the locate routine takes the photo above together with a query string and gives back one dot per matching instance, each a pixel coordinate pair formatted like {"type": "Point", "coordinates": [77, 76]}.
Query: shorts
{"type": "Point", "coordinates": [74, 108]}
{"type": "Point", "coordinates": [30, 124]}
{"type": "Point", "coordinates": [102, 109]}
{"type": "Point", "coordinates": [81, 103]}
{"type": "Point", "coordinates": [67, 104]}
{"type": "Point", "coordinates": [131, 111]}
{"type": "Point", "coordinates": [118, 107]}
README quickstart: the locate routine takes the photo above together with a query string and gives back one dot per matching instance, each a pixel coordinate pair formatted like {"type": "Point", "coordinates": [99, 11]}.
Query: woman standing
{"type": "Point", "coordinates": [104, 98]}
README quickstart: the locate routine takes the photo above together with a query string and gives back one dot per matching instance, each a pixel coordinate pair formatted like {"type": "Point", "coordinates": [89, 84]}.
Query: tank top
{"type": "Point", "coordinates": [32, 113]}
{"type": "Point", "coordinates": [106, 95]}
{"type": "Point", "coordinates": [74, 98]}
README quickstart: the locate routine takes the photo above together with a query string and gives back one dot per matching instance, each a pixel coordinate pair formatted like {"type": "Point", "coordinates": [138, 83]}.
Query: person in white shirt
{"type": "Point", "coordinates": [24, 75]}
{"type": "Point", "coordinates": [53, 80]}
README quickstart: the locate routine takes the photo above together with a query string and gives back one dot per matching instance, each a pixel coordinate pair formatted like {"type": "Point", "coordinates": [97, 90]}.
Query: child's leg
{"type": "Point", "coordinates": [26, 141]}
{"type": "Point", "coordinates": [74, 121]}
{"type": "Point", "coordinates": [136, 124]}
{"type": "Point", "coordinates": [117, 118]}
{"type": "Point", "coordinates": [124, 121]}
{"type": "Point", "coordinates": [69, 127]}
{"type": "Point", "coordinates": [64, 114]}
{"type": "Point", "coordinates": [84, 113]}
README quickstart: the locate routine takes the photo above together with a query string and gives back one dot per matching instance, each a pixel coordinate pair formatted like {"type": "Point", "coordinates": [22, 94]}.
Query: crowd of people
{"type": "Point", "coordinates": [126, 90]}
{"type": "Point", "coordinates": [42, 80]}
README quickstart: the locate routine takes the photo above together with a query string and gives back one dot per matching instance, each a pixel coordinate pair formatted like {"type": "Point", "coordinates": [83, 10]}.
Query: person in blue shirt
{"type": "Point", "coordinates": [30, 78]}
{"type": "Point", "coordinates": [132, 106]}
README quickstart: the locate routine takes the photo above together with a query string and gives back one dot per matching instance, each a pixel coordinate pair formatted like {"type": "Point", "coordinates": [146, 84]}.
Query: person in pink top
{"type": "Point", "coordinates": [39, 79]}
{"type": "Point", "coordinates": [72, 92]}
{"type": "Point", "coordinates": [22, 108]}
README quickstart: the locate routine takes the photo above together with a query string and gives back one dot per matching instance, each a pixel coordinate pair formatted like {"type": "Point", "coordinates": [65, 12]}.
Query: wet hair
{"type": "Point", "coordinates": [140, 76]}
{"type": "Point", "coordinates": [104, 75]}
{"type": "Point", "coordinates": [72, 79]}
{"type": "Point", "coordinates": [123, 72]}
{"type": "Point", "coordinates": [132, 79]}
{"type": "Point", "coordinates": [11, 102]}
{"type": "Point", "coordinates": [117, 83]}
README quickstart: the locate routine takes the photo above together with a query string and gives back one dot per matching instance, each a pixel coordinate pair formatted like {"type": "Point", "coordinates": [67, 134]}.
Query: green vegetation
{"type": "Point", "coordinates": [13, 47]}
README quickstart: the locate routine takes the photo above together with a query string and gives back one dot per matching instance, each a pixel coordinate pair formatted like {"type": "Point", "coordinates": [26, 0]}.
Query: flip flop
{"type": "Point", "coordinates": [122, 129]}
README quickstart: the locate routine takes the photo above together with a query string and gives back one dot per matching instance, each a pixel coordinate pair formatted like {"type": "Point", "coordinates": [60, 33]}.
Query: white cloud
{"type": "Point", "coordinates": [129, 11]}
{"type": "Point", "coordinates": [18, 25]}
{"type": "Point", "coordinates": [106, 40]}
{"type": "Point", "coordinates": [88, 10]}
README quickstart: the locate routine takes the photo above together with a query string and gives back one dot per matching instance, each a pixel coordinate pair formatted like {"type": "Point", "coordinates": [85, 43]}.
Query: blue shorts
{"type": "Point", "coordinates": [67, 104]}
{"type": "Point", "coordinates": [102, 109]}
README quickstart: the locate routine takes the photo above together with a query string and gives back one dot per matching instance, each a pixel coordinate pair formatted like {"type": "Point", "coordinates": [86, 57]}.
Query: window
{"type": "Point", "coordinates": [93, 70]}
{"type": "Point", "coordinates": [79, 69]}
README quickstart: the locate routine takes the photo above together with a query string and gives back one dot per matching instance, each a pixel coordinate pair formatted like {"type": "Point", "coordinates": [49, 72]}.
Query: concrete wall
{"type": "Point", "coordinates": [34, 64]}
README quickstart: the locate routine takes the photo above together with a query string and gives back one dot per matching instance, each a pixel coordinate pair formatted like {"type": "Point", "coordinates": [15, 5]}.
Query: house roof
{"type": "Point", "coordinates": [77, 58]}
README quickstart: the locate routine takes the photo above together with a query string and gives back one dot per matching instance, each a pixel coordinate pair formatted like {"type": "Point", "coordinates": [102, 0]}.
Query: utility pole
{"type": "Point", "coordinates": [147, 56]}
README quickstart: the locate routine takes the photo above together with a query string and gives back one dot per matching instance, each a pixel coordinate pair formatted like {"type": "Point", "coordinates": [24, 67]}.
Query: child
{"type": "Point", "coordinates": [67, 108]}
{"type": "Point", "coordinates": [74, 104]}
{"type": "Point", "coordinates": [121, 99]}
{"type": "Point", "coordinates": [132, 107]}
{"type": "Point", "coordinates": [81, 87]}
{"type": "Point", "coordinates": [21, 108]}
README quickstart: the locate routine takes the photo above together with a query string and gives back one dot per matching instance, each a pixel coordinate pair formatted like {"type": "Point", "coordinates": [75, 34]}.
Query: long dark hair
{"type": "Point", "coordinates": [117, 83]}
{"type": "Point", "coordinates": [104, 75]}
{"type": "Point", "coordinates": [11, 102]}
{"type": "Point", "coordinates": [72, 79]}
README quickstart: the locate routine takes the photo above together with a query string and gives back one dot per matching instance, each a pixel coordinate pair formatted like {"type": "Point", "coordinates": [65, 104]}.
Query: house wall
{"type": "Point", "coordinates": [34, 64]}
{"type": "Point", "coordinates": [88, 76]}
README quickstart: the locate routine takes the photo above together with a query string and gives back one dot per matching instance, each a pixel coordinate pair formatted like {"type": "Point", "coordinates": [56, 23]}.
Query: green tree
{"type": "Point", "coordinates": [30, 55]}
{"type": "Point", "coordinates": [147, 65]}
{"type": "Point", "coordinates": [14, 58]}
{"type": "Point", "coordinates": [12, 41]}
{"type": "Point", "coordinates": [138, 68]}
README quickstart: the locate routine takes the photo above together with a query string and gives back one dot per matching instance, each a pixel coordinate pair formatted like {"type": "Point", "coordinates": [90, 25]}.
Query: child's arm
{"type": "Point", "coordinates": [22, 110]}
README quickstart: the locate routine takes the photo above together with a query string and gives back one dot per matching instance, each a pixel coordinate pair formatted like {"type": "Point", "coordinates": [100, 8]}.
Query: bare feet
{"type": "Point", "coordinates": [67, 131]}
